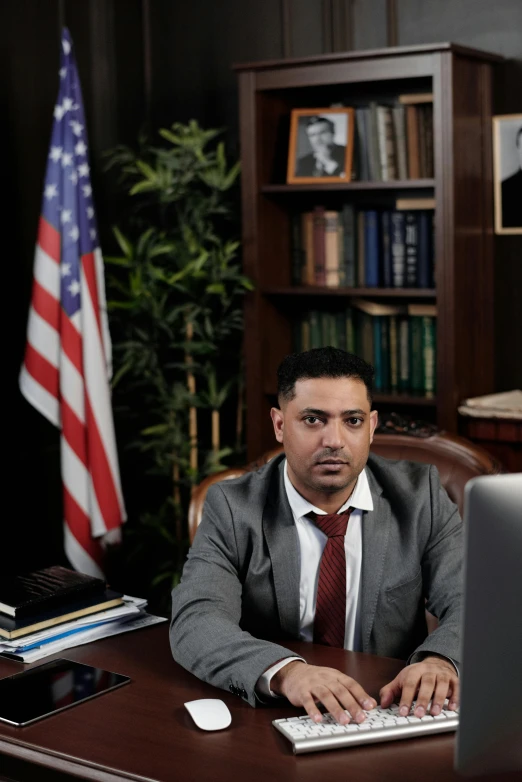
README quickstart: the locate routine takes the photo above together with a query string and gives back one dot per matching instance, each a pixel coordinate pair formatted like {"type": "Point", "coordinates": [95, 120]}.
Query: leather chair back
{"type": "Point", "coordinates": [457, 460]}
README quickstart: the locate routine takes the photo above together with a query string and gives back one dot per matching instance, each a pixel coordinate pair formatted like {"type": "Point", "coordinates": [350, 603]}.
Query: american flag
{"type": "Point", "coordinates": [67, 364]}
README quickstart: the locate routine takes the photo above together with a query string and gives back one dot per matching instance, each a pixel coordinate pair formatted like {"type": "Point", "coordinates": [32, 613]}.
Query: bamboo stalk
{"type": "Point", "coordinates": [177, 502]}
{"type": "Point", "coordinates": [215, 431]}
{"type": "Point", "coordinates": [193, 419]}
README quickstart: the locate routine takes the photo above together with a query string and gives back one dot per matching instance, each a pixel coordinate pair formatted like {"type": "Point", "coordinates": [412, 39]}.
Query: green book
{"type": "Point", "coordinates": [332, 329]}
{"type": "Point", "coordinates": [315, 329]}
{"type": "Point", "coordinates": [350, 331]}
{"type": "Point", "coordinates": [378, 355]}
{"type": "Point", "coordinates": [340, 330]}
{"type": "Point", "coordinates": [365, 337]}
{"type": "Point", "coordinates": [393, 335]}
{"type": "Point", "coordinates": [416, 355]}
{"type": "Point", "coordinates": [428, 353]}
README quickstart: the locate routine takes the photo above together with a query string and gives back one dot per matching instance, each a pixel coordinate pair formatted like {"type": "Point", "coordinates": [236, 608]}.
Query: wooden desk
{"type": "Point", "coordinates": [143, 732]}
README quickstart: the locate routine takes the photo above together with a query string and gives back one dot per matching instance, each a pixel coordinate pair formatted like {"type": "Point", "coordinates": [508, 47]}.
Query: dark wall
{"type": "Point", "coordinates": [168, 60]}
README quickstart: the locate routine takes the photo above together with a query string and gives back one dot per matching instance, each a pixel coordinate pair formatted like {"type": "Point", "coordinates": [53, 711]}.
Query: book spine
{"type": "Point", "coordinates": [331, 243]}
{"type": "Point", "coordinates": [378, 357]}
{"type": "Point", "coordinates": [340, 329]}
{"type": "Point", "coordinates": [371, 244]}
{"type": "Point", "coordinates": [428, 127]}
{"type": "Point", "coordinates": [324, 328]}
{"type": "Point", "coordinates": [424, 251]}
{"type": "Point", "coordinates": [319, 245]}
{"type": "Point", "coordinates": [350, 330]}
{"type": "Point", "coordinates": [308, 244]}
{"type": "Point", "coordinates": [315, 331]}
{"type": "Point", "coordinates": [421, 130]}
{"type": "Point", "coordinates": [305, 332]}
{"type": "Point", "coordinates": [364, 172]}
{"type": "Point", "coordinates": [394, 352]}
{"type": "Point", "coordinates": [416, 354]}
{"type": "Point", "coordinates": [385, 350]}
{"type": "Point", "coordinates": [428, 353]}
{"type": "Point", "coordinates": [413, 142]}
{"type": "Point", "coordinates": [386, 143]}
{"type": "Point", "coordinates": [361, 274]}
{"type": "Point", "coordinates": [332, 329]}
{"type": "Point", "coordinates": [404, 354]}
{"type": "Point", "coordinates": [411, 243]}
{"type": "Point", "coordinates": [349, 244]}
{"type": "Point", "coordinates": [341, 266]}
{"type": "Point", "coordinates": [433, 248]}
{"type": "Point", "coordinates": [296, 250]}
{"type": "Point", "coordinates": [398, 249]}
{"type": "Point", "coordinates": [386, 273]}
{"type": "Point", "coordinates": [399, 124]}
{"type": "Point", "coordinates": [373, 146]}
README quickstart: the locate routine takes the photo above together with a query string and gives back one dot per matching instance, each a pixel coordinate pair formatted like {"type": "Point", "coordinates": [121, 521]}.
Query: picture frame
{"type": "Point", "coordinates": [320, 145]}
{"type": "Point", "coordinates": [507, 173]}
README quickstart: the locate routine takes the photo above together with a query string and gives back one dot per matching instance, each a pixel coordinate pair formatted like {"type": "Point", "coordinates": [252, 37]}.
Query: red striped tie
{"type": "Point", "coordinates": [330, 608]}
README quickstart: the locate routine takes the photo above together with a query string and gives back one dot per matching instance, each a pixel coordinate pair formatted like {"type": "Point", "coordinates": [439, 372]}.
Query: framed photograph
{"type": "Point", "coordinates": [321, 146]}
{"type": "Point", "coordinates": [507, 164]}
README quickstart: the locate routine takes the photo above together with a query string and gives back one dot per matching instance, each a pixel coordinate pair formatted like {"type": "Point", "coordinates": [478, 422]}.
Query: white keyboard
{"type": "Point", "coordinates": [380, 725]}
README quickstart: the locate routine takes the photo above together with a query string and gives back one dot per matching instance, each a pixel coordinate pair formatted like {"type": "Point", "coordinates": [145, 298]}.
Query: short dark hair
{"type": "Point", "coordinates": [321, 362]}
{"type": "Point", "coordinates": [316, 120]}
{"type": "Point", "coordinates": [519, 133]}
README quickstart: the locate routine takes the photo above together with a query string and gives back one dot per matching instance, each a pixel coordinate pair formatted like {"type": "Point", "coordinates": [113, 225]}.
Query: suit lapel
{"type": "Point", "coordinates": [283, 546]}
{"type": "Point", "coordinates": [375, 534]}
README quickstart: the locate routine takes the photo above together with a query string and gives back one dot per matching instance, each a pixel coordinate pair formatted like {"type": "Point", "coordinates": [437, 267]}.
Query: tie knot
{"type": "Point", "coordinates": [333, 524]}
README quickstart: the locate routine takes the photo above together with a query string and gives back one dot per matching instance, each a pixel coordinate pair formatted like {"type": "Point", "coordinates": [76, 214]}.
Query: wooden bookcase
{"type": "Point", "coordinates": [461, 82]}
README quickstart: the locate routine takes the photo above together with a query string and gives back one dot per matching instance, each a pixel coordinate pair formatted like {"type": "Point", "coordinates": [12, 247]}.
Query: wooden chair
{"type": "Point", "coordinates": [457, 460]}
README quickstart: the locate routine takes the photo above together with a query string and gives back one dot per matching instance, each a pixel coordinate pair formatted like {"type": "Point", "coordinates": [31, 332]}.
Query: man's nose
{"type": "Point", "coordinates": [333, 435]}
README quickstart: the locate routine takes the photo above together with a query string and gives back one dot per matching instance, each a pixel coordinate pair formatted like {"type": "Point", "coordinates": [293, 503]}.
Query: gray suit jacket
{"type": "Point", "coordinates": [240, 583]}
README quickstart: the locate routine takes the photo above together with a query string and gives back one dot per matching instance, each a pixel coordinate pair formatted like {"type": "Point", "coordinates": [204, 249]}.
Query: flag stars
{"type": "Point", "coordinates": [90, 212]}
{"type": "Point", "coordinates": [66, 216]}
{"type": "Point", "coordinates": [65, 270]}
{"type": "Point", "coordinates": [87, 190]}
{"type": "Point", "coordinates": [66, 46]}
{"type": "Point", "coordinates": [67, 104]}
{"type": "Point", "coordinates": [92, 233]}
{"type": "Point", "coordinates": [74, 288]}
{"type": "Point", "coordinates": [55, 154]}
{"type": "Point", "coordinates": [67, 159]}
{"type": "Point", "coordinates": [73, 178]}
{"type": "Point", "coordinates": [83, 169]}
{"type": "Point", "coordinates": [63, 73]}
{"type": "Point", "coordinates": [74, 233]}
{"type": "Point", "coordinates": [50, 192]}
{"type": "Point", "coordinates": [77, 127]}
{"type": "Point", "coordinates": [80, 148]}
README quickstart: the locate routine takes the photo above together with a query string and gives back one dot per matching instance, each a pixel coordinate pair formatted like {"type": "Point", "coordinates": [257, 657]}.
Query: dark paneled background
{"type": "Point", "coordinates": [159, 61]}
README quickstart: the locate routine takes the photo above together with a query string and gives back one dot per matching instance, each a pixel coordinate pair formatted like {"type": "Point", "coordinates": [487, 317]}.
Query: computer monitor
{"type": "Point", "coordinates": [489, 737]}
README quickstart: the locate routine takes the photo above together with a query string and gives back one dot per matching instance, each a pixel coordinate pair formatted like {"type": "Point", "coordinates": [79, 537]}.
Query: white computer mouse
{"type": "Point", "coordinates": [209, 713]}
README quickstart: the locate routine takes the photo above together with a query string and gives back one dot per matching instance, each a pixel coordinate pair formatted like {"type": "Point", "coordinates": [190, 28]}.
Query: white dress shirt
{"type": "Point", "coordinates": [311, 546]}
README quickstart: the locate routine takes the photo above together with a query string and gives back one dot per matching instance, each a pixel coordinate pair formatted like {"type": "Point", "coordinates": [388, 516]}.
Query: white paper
{"type": "Point", "coordinates": [95, 634]}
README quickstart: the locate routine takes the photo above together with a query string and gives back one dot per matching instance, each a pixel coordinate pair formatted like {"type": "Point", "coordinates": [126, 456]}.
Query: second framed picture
{"type": "Point", "coordinates": [321, 145]}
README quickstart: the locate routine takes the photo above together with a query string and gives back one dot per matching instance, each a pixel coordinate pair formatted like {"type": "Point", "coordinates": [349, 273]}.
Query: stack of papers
{"type": "Point", "coordinates": [122, 619]}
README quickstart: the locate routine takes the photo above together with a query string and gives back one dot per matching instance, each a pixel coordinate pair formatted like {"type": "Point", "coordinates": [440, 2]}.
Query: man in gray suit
{"type": "Point", "coordinates": [265, 565]}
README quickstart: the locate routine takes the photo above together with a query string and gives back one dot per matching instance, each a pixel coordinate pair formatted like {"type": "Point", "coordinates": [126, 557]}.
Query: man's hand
{"type": "Point", "coordinates": [306, 685]}
{"type": "Point", "coordinates": [432, 679]}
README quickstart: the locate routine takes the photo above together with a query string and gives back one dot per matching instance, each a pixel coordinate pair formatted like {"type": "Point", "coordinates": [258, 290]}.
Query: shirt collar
{"type": "Point", "coordinates": [360, 498]}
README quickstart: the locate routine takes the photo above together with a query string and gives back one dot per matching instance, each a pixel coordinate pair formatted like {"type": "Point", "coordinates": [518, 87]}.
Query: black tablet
{"type": "Point", "coordinates": [47, 689]}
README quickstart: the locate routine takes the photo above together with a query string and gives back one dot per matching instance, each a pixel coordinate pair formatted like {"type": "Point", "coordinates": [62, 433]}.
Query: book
{"type": "Point", "coordinates": [416, 355]}
{"type": "Point", "coordinates": [362, 145]}
{"type": "Point", "coordinates": [371, 249]}
{"type": "Point", "coordinates": [11, 628]}
{"type": "Point", "coordinates": [411, 245]}
{"type": "Point", "coordinates": [386, 254]}
{"type": "Point", "coordinates": [421, 129]}
{"type": "Point", "coordinates": [393, 335]}
{"type": "Point", "coordinates": [399, 127]}
{"type": "Point", "coordinates": [361, 276]}
{"type": "Point", "coordinates": [348, 244]}
{"type": "Point", "coordinates": [372, 127]}
{"type": "Point", "coordinates": [413, 142]}
{"type": "Point", "coordinates": [350, 330]}
{"type": "Point", "coordinates": [428, 353]}
{"type": "Point", "coordinates": [386, 143]}
{"type": "Point", "coordinates": [398, 249]}
{"type": "Point", "coordinates": [424, 273]}
{"type": "Point", "coordinates": [315, 329]}
{"type": "Point", "coordinates": [42, 590]}
{"type": "Point", "coordinates": [308, 245]}
{"type": "Point", "coordinates": [417, 97]}
{"type": "Point", "coordinates": [428, 129]}
{"type": "Point", "coordinates": [331, 249]}
{"type": "Point", "coordinates": [319, 223]}
{"type": "Point", "coordinates": [414, 203]}
{"type": "Point", "coordinates": [423, 309]}
{"type": "Point", "coordinates": [296, 250]}
{"type": "Point", "coordinates": [404, 353]}
{"type": "Point", "coordinates": [376, 308]}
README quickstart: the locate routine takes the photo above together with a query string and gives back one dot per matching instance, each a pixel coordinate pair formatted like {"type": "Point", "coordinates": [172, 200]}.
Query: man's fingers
{"type": "Point", "coordinates": [389, 693]}
{"type": "Point", "coordinates": [311, 708]}
{"type": "Point", "coordinates": [409, 690]}
{"type": "Point", "coordinates": [454, 700]}
{"type": "Point", "coordinates": [427, 686]}
{"type": "Point", "coordinates": [359, 693]}
{"type": "Point", "coordinates": [439, 696]}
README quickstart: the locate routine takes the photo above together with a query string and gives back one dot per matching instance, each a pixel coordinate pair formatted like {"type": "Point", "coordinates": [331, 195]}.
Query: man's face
{"type": "Point", "coordinates": [320, 136]}
{"type": "Point", "coordinates": [326, 430]}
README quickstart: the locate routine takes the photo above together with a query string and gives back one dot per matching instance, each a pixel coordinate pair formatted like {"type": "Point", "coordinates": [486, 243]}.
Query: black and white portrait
{"type": "Point", "coordinates": [320, 145]}
{"type": "Point", "coordinates": [507, 147]}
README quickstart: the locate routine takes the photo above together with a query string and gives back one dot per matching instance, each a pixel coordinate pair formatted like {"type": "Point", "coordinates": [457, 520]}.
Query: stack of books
{"type": "Point", "coordinates": [386, 248]}
{"type": "Point", "coordinates": [398, 340]}
{"type": "Point", "coordinates": [395, 141]}
{"type": "Point", "coordinates": [55, 608]}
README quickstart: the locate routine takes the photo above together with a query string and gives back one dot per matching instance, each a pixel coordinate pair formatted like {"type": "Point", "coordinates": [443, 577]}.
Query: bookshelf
{"type": "Point", "coordinates": [460, 80]}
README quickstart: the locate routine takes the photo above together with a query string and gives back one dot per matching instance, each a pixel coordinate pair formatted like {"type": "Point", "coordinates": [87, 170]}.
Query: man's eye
{"type": "Point", "coordinates": [311, 419]}
{"type": "Point", "coordinates": [355, 421]}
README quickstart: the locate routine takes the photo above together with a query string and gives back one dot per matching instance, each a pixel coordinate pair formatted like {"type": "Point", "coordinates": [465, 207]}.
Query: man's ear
{"type": "Point", "coordinates": [374, 420]}
{"type": "Point", "coordinates": [278, 419]}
